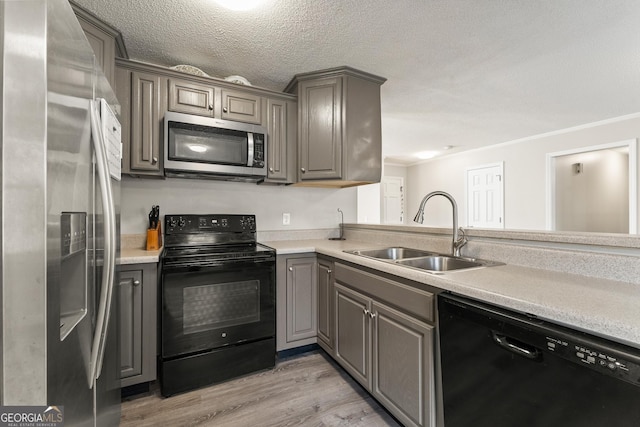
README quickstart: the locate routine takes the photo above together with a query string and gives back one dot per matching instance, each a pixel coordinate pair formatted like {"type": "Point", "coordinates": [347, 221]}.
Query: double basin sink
{"type": "Point", "coordinates": [430, 262]}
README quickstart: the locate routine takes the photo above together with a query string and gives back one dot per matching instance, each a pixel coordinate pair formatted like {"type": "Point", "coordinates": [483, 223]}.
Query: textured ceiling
{"type": "Point", "coordinates": [464, 73]}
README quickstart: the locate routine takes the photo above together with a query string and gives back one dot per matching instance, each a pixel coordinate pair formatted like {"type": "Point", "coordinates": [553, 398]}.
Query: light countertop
{"type": "Point", "coordinates": [606, 308]}
{"type": "Point", "coordinates": [139, 256]}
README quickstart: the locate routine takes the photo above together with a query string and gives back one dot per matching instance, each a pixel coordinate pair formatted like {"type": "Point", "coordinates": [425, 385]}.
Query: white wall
{"type": "Point", "coordinates": [310, 208]}
{"type": "Point", "coordinates": [525, 174]}
{"type": "Point", "coordinates": [369, 204]}
{"type": "Point", "coordinates": [370, 196]}
{"type": "Point", "coordinates": [596, 198]}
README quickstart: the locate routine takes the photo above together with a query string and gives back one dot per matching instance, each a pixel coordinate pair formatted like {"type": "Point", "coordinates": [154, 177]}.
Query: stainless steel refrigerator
{"type": "Point", "coordinates": [59, 217]}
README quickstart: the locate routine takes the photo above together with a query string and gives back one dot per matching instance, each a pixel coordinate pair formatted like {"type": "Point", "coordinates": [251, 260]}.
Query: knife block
{"type": "Point", "coordinates": [154, 238]}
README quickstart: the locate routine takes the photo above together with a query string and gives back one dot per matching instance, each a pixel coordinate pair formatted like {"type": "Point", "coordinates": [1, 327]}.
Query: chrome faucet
{"type": "Point", "coordinates": [459, 239]}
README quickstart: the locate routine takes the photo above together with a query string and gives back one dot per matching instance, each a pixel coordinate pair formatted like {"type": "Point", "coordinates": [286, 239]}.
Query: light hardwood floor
{"type": "Point", "coordinates": [303, 390]}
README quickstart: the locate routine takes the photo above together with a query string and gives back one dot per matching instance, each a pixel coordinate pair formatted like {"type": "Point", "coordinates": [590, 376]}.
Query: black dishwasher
{"type": "Point", "coordinates": [504, 369]}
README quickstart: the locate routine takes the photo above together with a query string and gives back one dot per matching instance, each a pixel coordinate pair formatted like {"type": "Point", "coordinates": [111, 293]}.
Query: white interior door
{"type": "Point", "coordinates": [392, 200]}
{"type": "Point", "coordinates": [485, 196]}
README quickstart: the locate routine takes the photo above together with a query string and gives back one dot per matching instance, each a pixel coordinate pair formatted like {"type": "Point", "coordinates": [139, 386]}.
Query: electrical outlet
{"type": "Point", "coordinates": [286, 218]}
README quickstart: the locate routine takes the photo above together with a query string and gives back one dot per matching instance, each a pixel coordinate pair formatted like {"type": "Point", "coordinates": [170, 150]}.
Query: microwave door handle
{"type": "Point", "coordinates": [250, 149]}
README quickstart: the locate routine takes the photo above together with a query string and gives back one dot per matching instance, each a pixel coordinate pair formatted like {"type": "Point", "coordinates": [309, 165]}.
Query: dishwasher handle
{"type": "Point", "coordinates": [516, 346]}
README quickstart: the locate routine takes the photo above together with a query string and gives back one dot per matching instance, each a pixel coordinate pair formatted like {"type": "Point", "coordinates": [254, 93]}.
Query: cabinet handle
{"type": "Point", "coordinates": [303, 170]}
{"type": "Point", "coordinates": [329, 271]}
{"type": "Point", "coordinates": [154, 160]}
{"type": "Point", "coordinates": [365, 311]}
{"type": "Point", "coordinates": [225, 110]}
{"type": "Point", "coordinates": [372, 314]}
{"type": "Point", "coordinates": [270, 169]}
{"type": "Point", "coordinates": [211, 107]}
{"type": "Point", "coordinates": [136, 283]}
{"type": "Point", "coordinates": [290, 268]}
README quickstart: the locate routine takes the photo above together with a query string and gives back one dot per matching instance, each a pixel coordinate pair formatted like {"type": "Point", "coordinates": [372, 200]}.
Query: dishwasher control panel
{"type": "Point", "coordinates": [606, 362]}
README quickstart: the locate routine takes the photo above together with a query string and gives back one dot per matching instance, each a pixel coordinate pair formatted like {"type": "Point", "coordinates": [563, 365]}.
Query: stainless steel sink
{"type": "Point", "coordinates": [429, 262]}
{"type": "Point", "coordinates": [443, 263]}
{"type": "Point", "coordinates": [393, 253]}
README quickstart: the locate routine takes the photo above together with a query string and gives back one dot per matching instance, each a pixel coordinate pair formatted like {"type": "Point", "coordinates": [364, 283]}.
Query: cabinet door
{"type": "Point", "coordinates": [320, 133]}
{"type": "Point", "coordinates": [104, 48]}
{"type": "Point", "coordinates": [301, 298]}
{"type": "Point", "coordinates": [145, 123]}
{"type": "Point", "coordinates": [402, 362]}
{"type": "Point", "coordinates": [191, 98]}
{"type": "Point", "coordinates": [241, 107]}
{"type": "Point", "coordinates": [130, 323]}
{"type": "Point", "coordinates": [279, 141]}
{"type": "Point", "coordinates": [325, 300]}
{"type": "Point", "coordinates": [352, 345]}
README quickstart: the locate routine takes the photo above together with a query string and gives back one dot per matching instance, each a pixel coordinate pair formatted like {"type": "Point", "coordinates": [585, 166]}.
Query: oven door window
{"type": "Point", "coordinates": [202, 144]}
{"type": "Point", "coordinates": [220, 305]}
{"type": "Point", "coordinates": [208, 308]}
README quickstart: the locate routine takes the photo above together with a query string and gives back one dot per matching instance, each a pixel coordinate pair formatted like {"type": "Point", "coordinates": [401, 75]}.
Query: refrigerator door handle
{"type": "Point", "coordinates": [108, 270]}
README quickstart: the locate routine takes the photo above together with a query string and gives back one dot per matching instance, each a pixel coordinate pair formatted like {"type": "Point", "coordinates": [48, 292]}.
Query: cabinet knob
{"type": "Point", "coordinates": [290, 268]}
{"type": "Point", "coordinates": [211, 107]}
{"type": "Point", "coordinates": [225, 110]}
{"type": "Point", "coordinates": [303, 170]}
{"type": "Point", "coordinates": [329, 271]}
{"type": "Point", "coordinates": [365, 311]}
{"type": "Point", "coordinates": [136, 283]}
{"type": "Point", "coordinates": [372, 314]}
{"type": "Point", "coordinates": [270, 169]}
{"type": "Point", "coordinates": [154, 160]}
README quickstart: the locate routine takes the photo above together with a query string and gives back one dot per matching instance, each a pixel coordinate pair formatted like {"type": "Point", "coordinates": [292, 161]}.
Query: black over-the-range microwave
{"type": "Point", "coordinates": [204, 147]}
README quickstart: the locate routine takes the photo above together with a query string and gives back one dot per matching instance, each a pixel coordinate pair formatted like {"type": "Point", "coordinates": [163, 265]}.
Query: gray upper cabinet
{"type": "Point", "coordinates": [105, 40]}
{"type": "Point", "coordinates": [281, 141]}
{"type": "Point", "coordinates": [140, 95]}
{"type": "Point", "coordinates": [191, 98]}
{"type": "Point", "coordinates": [241, 106]}
{"type": "Point", "coordinates": [339, 127]}
{"type": "Point", "coordinates": [138, 324]}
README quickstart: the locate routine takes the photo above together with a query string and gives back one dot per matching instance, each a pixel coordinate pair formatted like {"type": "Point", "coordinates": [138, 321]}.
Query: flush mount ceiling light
{"type": "Point", "coordinates": [240, 4]}
{"type": "Point", "coordinates": [426, 154]}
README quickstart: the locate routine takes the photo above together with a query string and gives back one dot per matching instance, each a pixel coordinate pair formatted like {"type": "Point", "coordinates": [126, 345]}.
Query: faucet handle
{"type": "Point", "coordinates": [462, 239]}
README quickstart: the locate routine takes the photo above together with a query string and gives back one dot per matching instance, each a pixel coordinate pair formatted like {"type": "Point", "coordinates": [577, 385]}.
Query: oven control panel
{"type": "Point", "coordinates": [176, 224]}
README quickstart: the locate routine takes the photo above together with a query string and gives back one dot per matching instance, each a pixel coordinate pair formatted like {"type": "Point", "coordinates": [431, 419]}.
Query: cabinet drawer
{"type": "Point", "coordinates": [415, 302]}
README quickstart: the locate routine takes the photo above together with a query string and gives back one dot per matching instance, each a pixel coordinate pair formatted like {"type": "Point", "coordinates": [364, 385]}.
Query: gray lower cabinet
{"type": "Point", "coordinates": [297, 303]}
{"type": "Point", "coordinates": [325, 306]}
{"type": "Point", "coordinates": [388, 350]}
{"type": "Point", "coordinates": [138, 324]}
